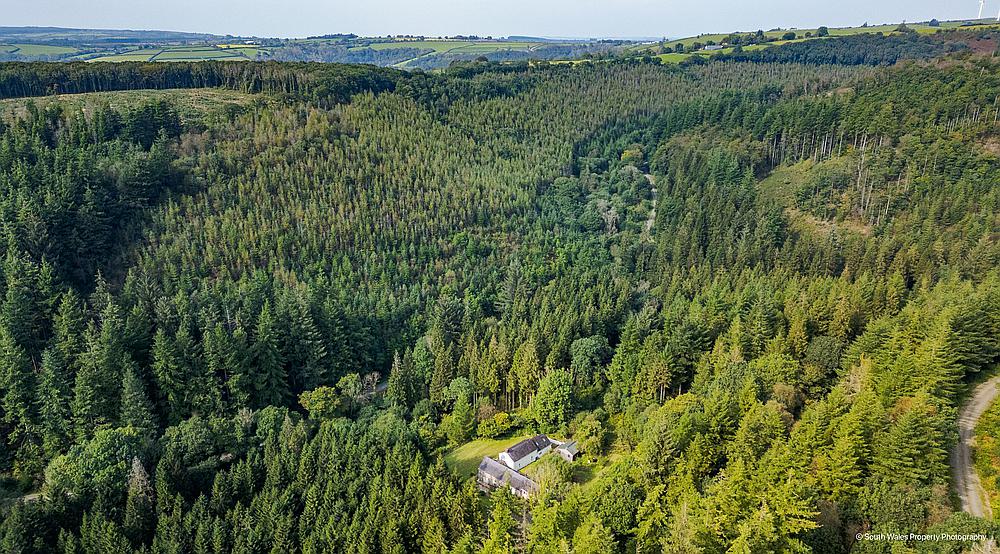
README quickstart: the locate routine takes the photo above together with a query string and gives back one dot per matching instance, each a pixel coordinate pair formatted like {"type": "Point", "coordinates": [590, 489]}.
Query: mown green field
{"type": "Point", "coordinates": [465, 459]}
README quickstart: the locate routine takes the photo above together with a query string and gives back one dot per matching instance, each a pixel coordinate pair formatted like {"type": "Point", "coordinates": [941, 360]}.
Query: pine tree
{"type": "Point", "coordinates": [270, 381]}
{"type": "Point", "coordinates": [625, 362]}
{"type": "Point", "coordinates": [137, 410]}
{"type": "Point", "coordinates": [798, 338]}
{"type": "Point", "coordinates": [21, 311]}
{"type": "Point", "coordinates": [502, 525]}
{"type": "Point", "coordinates": [592, 537]}
{"type": "Point", "coordinates": [469, 362]}
{"type": "Point", "coordinates": [463, 421]}
{"type": "Point", "coordinates": [218, 365]}
{"type": "Point", "coordinates": [527, 367]}
{"type": "Point", "coordinates": [238, 380]}
{"type": "Point", "coordinates": [910, 452]}
{"type": "Point", "coordinates": [313, 355]}
{"type": "Point", "coordinates": [444, 372]}
{"type": "Point", "coordinates": [18, 389]}
{"type": "Point", "coordinates": [398, 389]}
{"type": "Point", "coordinates": [97, 389]}
{"type": "Point", "coordinates": [171, 377]}
{"type": "Point", "coordinates": [69, 327]}
{"type": "Point", "coordinates": [423, 365]}
{"type": "Point", "coordinates": [53, 403]}
{"type": "Point", "coordinates": [87, 402]}
{"type": "Point", "coordinates": [446, 326]}
{"type": "Point", "coordinates": [488, 376]}
{"type": "Point", "coordinates": [840, 469]}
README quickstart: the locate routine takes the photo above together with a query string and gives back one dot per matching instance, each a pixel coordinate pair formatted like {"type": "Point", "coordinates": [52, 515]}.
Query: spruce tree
{"type": "Point", "coordinates": [171, 378]}
{"type": "Point", "coordinates": [53, 402]}
{"type": "Point", "coordinates": [68, 328]}
{"type": "Point", "coordinates": [18, 388]}
{"type": "Point", "coordinates": [270, 381]}
{"type": "Point", "coordinates": [398, 389]}
{"type": "Point", "coordinates": [137, 410]}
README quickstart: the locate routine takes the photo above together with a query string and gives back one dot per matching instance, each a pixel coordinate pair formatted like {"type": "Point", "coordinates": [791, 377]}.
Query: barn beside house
{"type": "Point", "coordinates": [568, 451]}
{"type": "Point", "coordinates": [492, 475]}
{"type": "Point", "coordinates": [526, 451]}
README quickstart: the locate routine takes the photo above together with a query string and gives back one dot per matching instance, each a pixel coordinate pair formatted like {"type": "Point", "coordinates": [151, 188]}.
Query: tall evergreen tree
{"type": "Point", "coordinates": [137, 410]}
{"type": "Point", "coordinates": [54, 396]}
{"type": "Point", "coordinates": [270, 380]}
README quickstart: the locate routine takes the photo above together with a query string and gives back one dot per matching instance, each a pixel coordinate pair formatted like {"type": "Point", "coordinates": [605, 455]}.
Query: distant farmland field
{"type": "Point", "coordinates": [36, 50]}
{"type": "Point", "coordinates": [183, 54]}
{"type": "Point", "coordinates": [438, 46]}
{"type": "Point", "coordinates": [444, 46]}
{"type": "Point", "coordinates": [800, 35]}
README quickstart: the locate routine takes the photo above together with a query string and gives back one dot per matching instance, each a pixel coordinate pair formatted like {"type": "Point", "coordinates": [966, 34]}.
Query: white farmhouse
{"type": "Point", "coordinates": [526, 451]}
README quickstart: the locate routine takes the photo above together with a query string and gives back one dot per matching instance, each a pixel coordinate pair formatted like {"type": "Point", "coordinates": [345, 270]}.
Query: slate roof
{"type": "Point", "coordinates": [570, 447]}
{"type": "Point", "coordinates": [502, 473]}
{"type": "Point", "coordinates": [528, 446]}
{"type": "Point", "coordinates": [493, 468]}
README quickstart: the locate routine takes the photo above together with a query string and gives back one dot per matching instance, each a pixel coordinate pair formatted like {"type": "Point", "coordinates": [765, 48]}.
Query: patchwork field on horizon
{"type": "Point", "coordinates": [415, 52]}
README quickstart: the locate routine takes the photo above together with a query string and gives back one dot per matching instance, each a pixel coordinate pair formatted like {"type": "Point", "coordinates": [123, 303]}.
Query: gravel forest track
{"type": "Point", "coordinates": [967, 484]}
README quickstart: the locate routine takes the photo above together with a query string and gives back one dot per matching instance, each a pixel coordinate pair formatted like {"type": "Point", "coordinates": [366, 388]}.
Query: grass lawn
{"type": "Point", "coordinates": [465, 459]}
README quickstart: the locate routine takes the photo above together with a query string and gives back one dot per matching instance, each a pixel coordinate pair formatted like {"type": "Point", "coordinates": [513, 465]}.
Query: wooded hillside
{"type": "Point", "coordinates": [754, 293]}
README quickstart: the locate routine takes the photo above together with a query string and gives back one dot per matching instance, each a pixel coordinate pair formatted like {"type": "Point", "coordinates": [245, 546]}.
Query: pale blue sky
{"type": "Point", "coordinates": [566, 18]}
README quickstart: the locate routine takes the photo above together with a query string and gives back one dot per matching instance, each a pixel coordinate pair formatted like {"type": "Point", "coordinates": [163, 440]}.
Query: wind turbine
{"type": "Point", "coordinates": [982, 4]}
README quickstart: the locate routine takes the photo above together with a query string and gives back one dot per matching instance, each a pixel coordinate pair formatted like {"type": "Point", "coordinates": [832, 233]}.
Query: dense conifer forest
{"type": "Point", "coordinates": [754, 292]}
